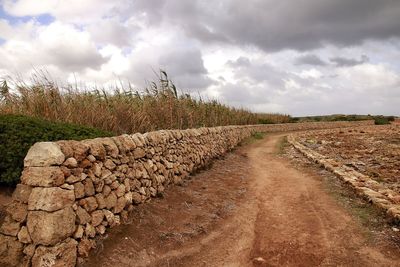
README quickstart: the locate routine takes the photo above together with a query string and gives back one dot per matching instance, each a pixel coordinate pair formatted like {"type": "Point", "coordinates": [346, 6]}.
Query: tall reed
{"type": "Point", "coordinates": [123, 110]}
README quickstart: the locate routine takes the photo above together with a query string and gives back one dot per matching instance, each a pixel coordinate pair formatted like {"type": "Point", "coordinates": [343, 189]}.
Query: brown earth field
{"type": "Point", "coordinates": [264, 204]}
{"type": "Point", "coordinates": [373, 151]}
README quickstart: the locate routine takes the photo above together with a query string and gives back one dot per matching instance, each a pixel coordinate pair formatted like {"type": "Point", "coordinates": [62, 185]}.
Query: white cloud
{"type": "Point", "coordinates": [77, 11]}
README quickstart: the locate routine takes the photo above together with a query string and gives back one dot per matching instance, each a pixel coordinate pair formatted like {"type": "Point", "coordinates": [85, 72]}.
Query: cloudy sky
{"type": "Point", "coordinates": [302, 57]}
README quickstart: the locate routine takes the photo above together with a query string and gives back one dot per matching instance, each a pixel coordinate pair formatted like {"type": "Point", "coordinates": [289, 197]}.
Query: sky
{"type": "Point", "coordinates": [298, 57]}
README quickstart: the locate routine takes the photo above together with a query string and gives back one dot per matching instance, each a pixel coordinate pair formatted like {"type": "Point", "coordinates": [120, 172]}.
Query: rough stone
{"type": "Point", "coordinates": [42, 176]}
{"type": "Point", "coordinates": [44, 154]}
{"type": "Point", "coordinates": [105, 174]}
{"type": "Point", "coordinates": [83, 216]}
{"type": "Point", "coordinates": [124, 216]}
{"type": "Point", "coordinates": [10, 227]}
{"type": "Point", "coordinates": [110, 146]}
{"type": "Point", "coordinates": [106, 190]}
{"type": "Point", "coordinates": [127, 185]}
{"type": "Point", "coordinates": [72, 179]}
{"type": "Point", "coordinates": [17, 210]}
{"type": "Point", "coordinates": [85, 164]}
{"type": "Point", "coordinates": [120, 190]}
{"type": "Point", "coordinates": [96, 148]}
{"type": "Point", "coordinates": [89, 203]}
{"type": "Point", "coordinates": [29, 250]}
{"type": "Point", "coordinates": [100, 201]}
{"type": "Point", "coordinates": [23, 235]}
{"type": "Point", "coordinates": [80, 150]}
{"type": "Point", "coordinates": [114, 185]}
{"type": "Point", "coordinates": [61, 255]}
{"type": "Point", "coordinates": [84, 246]}
{"type": "Point", "coordinates": [139, 153]}
{"type": "Point", "coordinates": [91, 158]}
{"type": "Point", "coordinates": [79, 232]}
{"type": "Point", "coordinates": [97, 217]}
{"type": "Point", "coordinates": [10, 251]}
{"type": "Point", "coordinates": [71, 163]}
{"type": "Point", "coordinates": [96, 168]}
{"type": "Point", "coordinates": [117, 221]}
{"type": "Point", "coordinates": [67, 187]}
{"type": "Point", "coordinates": [47, 228]}
{"type": "Point", "coordinates": [79, 190]}
{"type": "Point", "coordinates": [136, 197]}
{"type": "Point", "coordinates": [120, 205]}
{"type": "Point", "coordinates": [128, 197]}
{"type": "Point", "coordinates": [138, 139]}
{"type": "Point", "coordinates": [22, 193]}
{"type": "Point", "coordinates": [89, 188]}
{"type": "Point", "coordinates": [109, 217]}
{"type": "Point", "coordinates": [99, 186]}
{"type": "Point", "coordinates": [90, 231]}
{"type": "Point", "coordinates": [111, 200]}
{"type": "Point", "coordinates": [50, 198]}
{"type": "Point", "coordinates": [109, 164]}
{"type": "Point", "coordinates": [101, 229]}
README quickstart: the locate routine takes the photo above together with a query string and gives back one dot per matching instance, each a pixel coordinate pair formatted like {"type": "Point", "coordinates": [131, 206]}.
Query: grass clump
{"type": "Point", "coordinates": [18, 133]}
{"type": "Point", "coordinates": [282, 145]}
{"type": "Point", "coordinates": [253, 138]}
{"type": "Point", "coordinates": [258, 135]}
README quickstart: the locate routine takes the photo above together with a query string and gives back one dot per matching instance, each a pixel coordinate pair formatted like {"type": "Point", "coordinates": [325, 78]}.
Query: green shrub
{"type": "Point", "coordinates": [18, 133]}
{"type": "Point", "coordinates": [381, 120]}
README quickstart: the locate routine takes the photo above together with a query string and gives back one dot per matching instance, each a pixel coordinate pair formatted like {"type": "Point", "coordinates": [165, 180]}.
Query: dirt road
{"type": "Point", "coordinates": [252, 208]}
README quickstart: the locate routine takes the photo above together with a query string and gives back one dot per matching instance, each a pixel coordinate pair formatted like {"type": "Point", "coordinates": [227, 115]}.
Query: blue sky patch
{"type": "Point", "coordinates": [43, 19]}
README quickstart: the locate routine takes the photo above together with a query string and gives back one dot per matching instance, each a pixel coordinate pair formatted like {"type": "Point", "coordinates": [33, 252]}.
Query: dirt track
{"type": "Point", "coordinates": [252, 208]}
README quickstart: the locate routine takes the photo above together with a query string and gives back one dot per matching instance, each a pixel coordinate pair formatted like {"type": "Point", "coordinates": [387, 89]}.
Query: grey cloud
{"type": "Point", "coordinates": [310, 59]}
{"type": "Point", "coordinates": [272, 26]}
{"type": "Point", "coordinates": [74, 60]}
{"type": "Point", "coordinates": [348, 62]}
{"type": "Point", "coordinates": [183, 61]}
{"type": "Point", "coordinates": [240, 62]}
{"type": "Point", "coordinates": [184, 66]}
{"type": "Point", "coordinates": [112, 31]}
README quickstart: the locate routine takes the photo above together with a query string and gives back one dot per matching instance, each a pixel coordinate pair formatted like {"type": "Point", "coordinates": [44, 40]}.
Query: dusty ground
{"type": "Point", "coordinates": [373, 150]}
{"type": "Point", "coordinates": [253, 208]}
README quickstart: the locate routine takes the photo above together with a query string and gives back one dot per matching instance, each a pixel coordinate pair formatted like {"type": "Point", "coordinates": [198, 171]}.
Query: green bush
{"type": "Point", "coordinates": [18, 133]}
{"type": "Point", "coordinates": [381, 120]}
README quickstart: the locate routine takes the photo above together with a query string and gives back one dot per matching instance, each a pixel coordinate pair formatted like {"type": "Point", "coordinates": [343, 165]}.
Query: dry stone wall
{"type": "Point", "coordinates": [72, 191]}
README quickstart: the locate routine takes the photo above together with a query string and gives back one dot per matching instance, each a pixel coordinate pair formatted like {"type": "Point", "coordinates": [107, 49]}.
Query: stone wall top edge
{"type": "Point", "coordinates": [140, 139]}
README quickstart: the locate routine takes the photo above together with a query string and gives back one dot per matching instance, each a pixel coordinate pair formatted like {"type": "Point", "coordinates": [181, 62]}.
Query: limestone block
{"type": "Point", "coordinates": [89, 203]}
{"type": "Point", "coordinates": [61, 255]}
{"type": "Point", "coordinates": [23, 235]}
{"type": "Point", "coordinates": [89, 187]}
{"type": "Point", "coordinates": [22, 193]}
{"type": "Point", "coordinates": [50, 198]}
{"type": "Point", "coordinates": [49, 228]}
{"type": "Point", "coordinates": [43, 154]}
{"type": "Point", "coordinates": [100, 201]}
{"type": "Point", "coordinates": [42, 176]}
{"type": "Point", "coordinates": [10, 251]}
{"type": "Point", "coordinates": [97, 217]}
{"type": "Point", "coordinates": [10, 227]}
{"type": "Point", "coordinates": [17, 210]}
{"type": "Point", "coordinates": [83, 216]}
